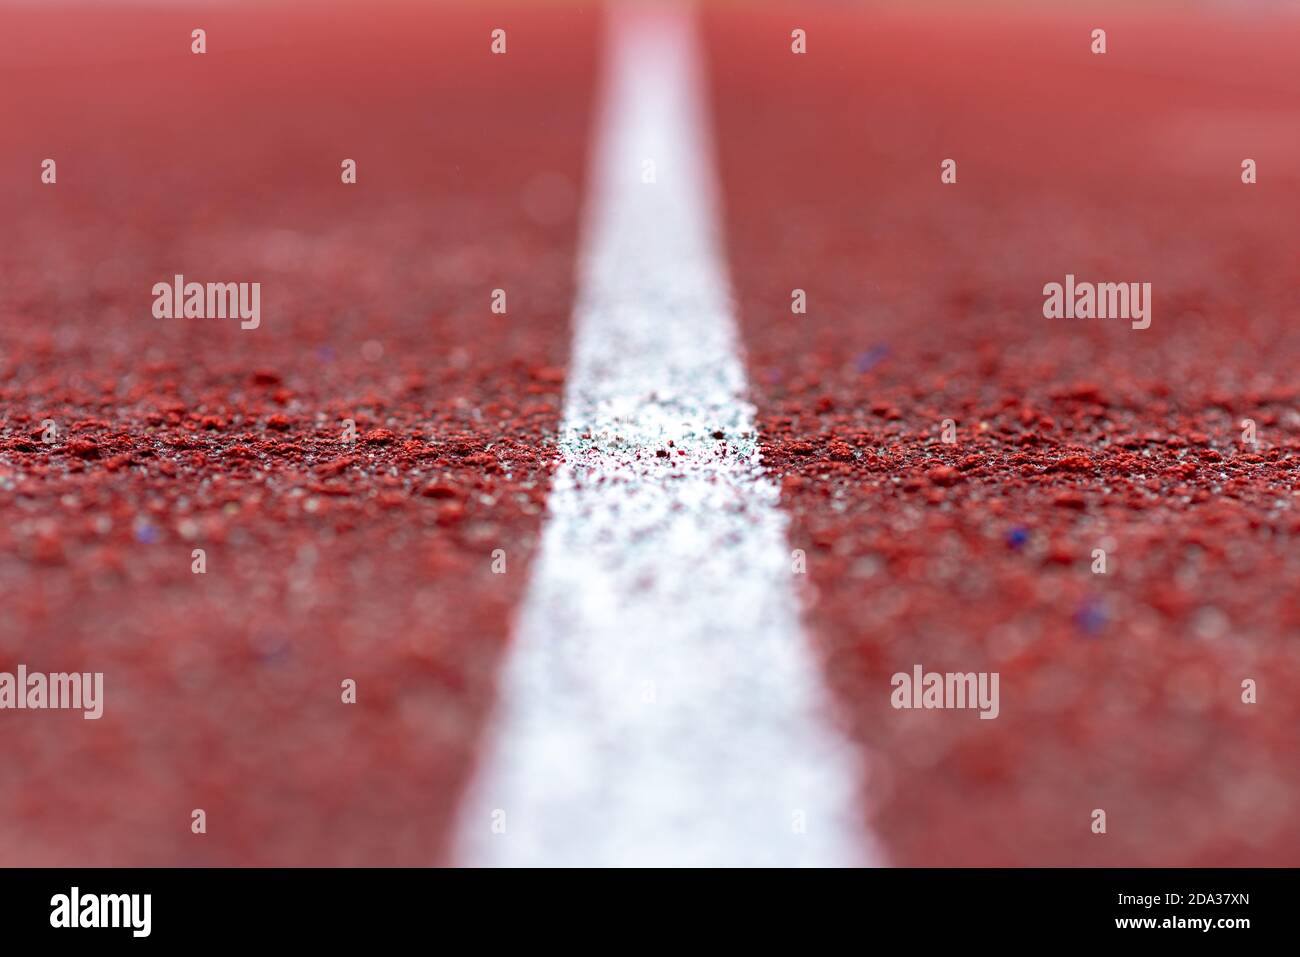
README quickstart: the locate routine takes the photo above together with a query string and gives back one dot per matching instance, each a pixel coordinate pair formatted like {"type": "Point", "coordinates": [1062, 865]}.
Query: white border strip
{"type": "Point", "coordinates": [660, 704]}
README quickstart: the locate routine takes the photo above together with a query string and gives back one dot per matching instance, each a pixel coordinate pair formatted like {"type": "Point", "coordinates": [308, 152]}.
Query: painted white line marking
{"type": "Point", "coordinates": [660, 704]}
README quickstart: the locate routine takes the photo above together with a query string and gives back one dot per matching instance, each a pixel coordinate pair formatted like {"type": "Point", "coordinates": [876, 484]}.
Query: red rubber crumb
{"type": "Point", "coordinates": [1119, 691]}
{"type": "Point", "coordinates": [325, 560]}
{"type": "Point", "coordinates": [372, 559]}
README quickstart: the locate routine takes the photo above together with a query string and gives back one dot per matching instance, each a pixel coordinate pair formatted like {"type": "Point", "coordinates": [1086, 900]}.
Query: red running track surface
{"type": "Point", "coordinates": [1119, 691]}
{"type": "Point", "coordinates": [372, 561]}
{"type": "Point", "coordinates": [324, 561]}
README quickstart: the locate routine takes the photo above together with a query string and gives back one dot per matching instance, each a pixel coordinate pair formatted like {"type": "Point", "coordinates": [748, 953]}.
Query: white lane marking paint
{"type": "Point", "coordinates": [660, 704]}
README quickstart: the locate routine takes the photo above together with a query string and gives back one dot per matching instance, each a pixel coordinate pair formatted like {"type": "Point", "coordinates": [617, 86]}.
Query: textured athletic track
{"type": "Point", "coordinates": [325, 562]}
{"type": "Point", "coordinates": [372, 562]}
{"type": "Point", "coordinates": [1119, 691]}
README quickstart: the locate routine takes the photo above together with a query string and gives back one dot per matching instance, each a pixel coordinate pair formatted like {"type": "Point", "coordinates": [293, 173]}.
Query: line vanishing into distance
{"type": "Point", "coordinates": [660, 703]}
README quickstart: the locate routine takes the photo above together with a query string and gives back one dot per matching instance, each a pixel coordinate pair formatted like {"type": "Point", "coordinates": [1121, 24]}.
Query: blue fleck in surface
{"type": "Point", "coordinates": [1090, 617]}
{"type": "Point", "coordinates": [872, 357]}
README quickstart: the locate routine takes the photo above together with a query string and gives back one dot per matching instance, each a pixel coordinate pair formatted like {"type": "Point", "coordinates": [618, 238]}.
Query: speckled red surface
{"type": "Point", "coordinates": [1118, 691]}
{"type": "Point", "coordinates": [372, 561]}
{"type": "Point", "coordinates": [324, 561]}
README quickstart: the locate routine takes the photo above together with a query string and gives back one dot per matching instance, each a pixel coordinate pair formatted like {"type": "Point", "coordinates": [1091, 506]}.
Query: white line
{"type": "Point", "coordinates": [660, 704]}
